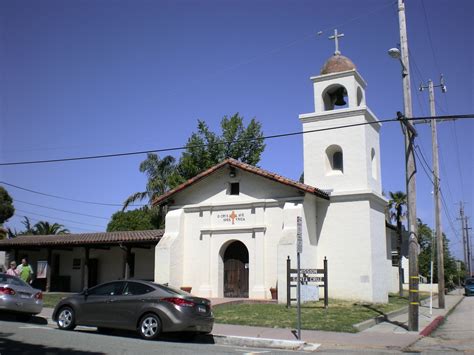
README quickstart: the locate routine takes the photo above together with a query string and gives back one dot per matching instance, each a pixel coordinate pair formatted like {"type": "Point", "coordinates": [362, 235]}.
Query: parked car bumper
{"type": "Point", "coordinates": [198, 324]}
{"type": "Point", "coordinates": [31, 306]}
{"type": "Point", "coordinates": [468, 291]}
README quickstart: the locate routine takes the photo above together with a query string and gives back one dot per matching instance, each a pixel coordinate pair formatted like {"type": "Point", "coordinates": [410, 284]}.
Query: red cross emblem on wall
{"type": "Point", "coordinates": [233, 216]}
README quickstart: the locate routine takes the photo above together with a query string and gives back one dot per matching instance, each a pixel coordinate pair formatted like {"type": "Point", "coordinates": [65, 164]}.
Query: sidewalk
{"type": "Point", "coordinates": [391, 334]}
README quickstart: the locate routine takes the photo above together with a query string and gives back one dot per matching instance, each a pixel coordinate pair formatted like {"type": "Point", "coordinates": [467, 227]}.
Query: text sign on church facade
{"type": "Point", "coordinates": [237, 218]}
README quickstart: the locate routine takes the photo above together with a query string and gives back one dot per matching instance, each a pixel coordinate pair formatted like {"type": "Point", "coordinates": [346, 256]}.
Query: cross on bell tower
{"type": "Point", "coordinates": [336, 37]}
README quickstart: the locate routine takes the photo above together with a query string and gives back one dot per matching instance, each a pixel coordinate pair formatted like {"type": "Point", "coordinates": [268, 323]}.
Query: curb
{"type": "Point", "coordinates": [430, 328]}
{"type": "Point", "coordinates": [379, 319]}
{"type": "Point", "coordinates": [264, 343]}
{"type": "Point", "coordinates": [383, 318]}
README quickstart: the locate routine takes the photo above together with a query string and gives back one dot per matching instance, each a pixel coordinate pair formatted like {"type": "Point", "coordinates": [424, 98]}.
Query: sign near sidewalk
{"type": "Point", "coordinates": [299, 234]}
{"type": "Point", "coordinates": [311, 276]}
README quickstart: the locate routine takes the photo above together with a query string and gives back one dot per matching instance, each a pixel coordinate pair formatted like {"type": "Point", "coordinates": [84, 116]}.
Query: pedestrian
{"type": "Point", "coordinates": [25, 271]}
{"type": "Point", "coordinates": [13, 271]}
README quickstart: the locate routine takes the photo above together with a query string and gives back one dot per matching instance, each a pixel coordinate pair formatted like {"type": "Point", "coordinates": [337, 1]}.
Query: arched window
{"type": "Point", "coordinates": [335, 96]}
{"type": "Point", "coordinates": [373, 161]}
{"type": "Point", "coordinates": [334, 159]}
{"type": "Point", "coordinates": [359, 96]}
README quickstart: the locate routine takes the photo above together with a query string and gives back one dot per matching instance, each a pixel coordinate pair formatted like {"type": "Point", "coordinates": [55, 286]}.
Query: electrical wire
{"type": "Point", "coordinates": [60, 210]}
{"type": "Point", "coordinates": [38, 220]}
{"type": "Point", "coordinates": [65, 198]}
{"type": "Point", "coordinates": [61, 219]}
{"type": "Point", "coordinates": [160, 150]}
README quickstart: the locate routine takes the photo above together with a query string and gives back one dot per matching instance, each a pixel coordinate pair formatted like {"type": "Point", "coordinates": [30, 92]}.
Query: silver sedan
{"type": "Point", "coordinates": [17, 296]}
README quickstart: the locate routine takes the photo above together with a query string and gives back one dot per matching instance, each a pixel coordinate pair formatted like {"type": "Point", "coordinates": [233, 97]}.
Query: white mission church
{"type": "Point", "coordinates": [230, 229]}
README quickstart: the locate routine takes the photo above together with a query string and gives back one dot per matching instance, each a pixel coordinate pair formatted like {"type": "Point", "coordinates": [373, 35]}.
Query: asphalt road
{"type": "Point", "coordinates": [455, 335]}
{"type": "Point", "coordinates": [38, 337]}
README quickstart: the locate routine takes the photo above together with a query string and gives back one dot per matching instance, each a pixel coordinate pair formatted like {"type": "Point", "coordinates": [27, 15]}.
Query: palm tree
{"type": "Point", "coordinates": [45, 228]}
{"type": "Point", "coordinates": [162, 176]}
{"type": "Point", "coordinates": [397, 202]}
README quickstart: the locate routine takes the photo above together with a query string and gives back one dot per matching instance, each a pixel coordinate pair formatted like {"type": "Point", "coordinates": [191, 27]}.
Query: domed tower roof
{"type": "Point", "coordinates": [337, 63]}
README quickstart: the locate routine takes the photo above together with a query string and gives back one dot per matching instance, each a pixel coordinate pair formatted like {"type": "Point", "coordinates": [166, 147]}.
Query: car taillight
{"type": "Point", "coordinates": [39, 296]}
{"type": "Point", "coordinates": [179, 301]}
{"type": "Point", "coordinates": [7, 291]}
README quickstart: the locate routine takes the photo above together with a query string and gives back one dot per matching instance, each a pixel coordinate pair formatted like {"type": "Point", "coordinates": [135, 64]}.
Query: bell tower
{"type": "Point", "coordinates": [345, 159]}
{"type": "Point", "coordinates": [346, 162]}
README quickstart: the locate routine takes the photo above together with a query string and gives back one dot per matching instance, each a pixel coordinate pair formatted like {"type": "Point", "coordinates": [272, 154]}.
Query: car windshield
{"type": "Point", "coordinates": [12, 280]}
{"type": "Point", "coordinates": [470, 282]}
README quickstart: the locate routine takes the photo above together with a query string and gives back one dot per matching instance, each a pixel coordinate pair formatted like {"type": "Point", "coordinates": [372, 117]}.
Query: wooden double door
{"type": "Point", "coordinates": [236, 270]}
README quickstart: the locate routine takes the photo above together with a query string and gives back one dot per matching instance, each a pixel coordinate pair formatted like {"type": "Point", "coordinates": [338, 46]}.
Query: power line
{"type": "Point", "coordinates": [60, 210]}
{"type": "Point", "coordinates": [38, 220]}
{"type": "Point", "coordinates": [160, 150]}
{"type": "Point", "coordinates": [65, 198]}
{"type": "Point", "coordinates": [61, 219]}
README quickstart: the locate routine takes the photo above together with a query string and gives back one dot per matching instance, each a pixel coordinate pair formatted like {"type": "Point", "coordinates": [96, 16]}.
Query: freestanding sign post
{"type": "Point", "coordinates": [299, 250]}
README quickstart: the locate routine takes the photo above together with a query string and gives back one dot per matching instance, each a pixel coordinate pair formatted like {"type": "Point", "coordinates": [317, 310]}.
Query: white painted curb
{"type": "Point", "coordinates": [264, 342]}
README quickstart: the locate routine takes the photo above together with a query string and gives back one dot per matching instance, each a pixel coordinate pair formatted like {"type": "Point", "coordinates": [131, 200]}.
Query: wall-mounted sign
{"type": "Point", "coordinates": [231, 217]}
{"type": "Point", "coordinates": [42, 269]}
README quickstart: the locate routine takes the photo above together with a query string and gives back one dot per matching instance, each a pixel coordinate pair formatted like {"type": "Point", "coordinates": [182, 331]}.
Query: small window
{"type": "Point", "coordinates": [135, 288]}
{"type": "Point", "coordinates": [110, 289]}
{"type": "Point", "coordinates": [337, 161]}
{"type": "Point", "coordinates": [334, 159]}
{"type": "Point", "coordinates": [76, 264]}
{"type": "Point", "coordinates": [234, 188]}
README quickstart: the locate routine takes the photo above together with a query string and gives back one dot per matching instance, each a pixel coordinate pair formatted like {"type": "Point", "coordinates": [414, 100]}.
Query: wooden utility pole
{"type": "Point", "coordinates": [410, 134]}
{"type": "Point", "coordinates": [437, 198]}
{"type": "Point", "coordinates": [464, 239]}
{"type": "Point", "coordinates": [468, 244]}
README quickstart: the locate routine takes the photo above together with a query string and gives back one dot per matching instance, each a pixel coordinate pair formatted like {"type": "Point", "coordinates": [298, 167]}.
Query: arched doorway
{"type": "Point", "coordinates": [236, 270]}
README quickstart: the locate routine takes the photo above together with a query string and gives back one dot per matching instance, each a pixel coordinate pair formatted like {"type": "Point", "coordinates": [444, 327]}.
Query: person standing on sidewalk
{"type": "Point", "coordinates": [12, 271]}
{"type": "Point", "coordinates": [25, 271]}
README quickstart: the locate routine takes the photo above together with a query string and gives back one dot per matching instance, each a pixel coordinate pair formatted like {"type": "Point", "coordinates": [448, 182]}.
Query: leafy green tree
{"type": "Point", "coordinates": [134, 220]}
{"type": "Point", "coordinates": [397, 204]}
{"type": "Point", "coordinates": [203, 150]}
{"type": "Point", "coordinates": [160, 173]}
{"type": "Point", "coordinates": [40, 228]}
{"type": "Point", "coordinates": [428, 252]}
{"type": "Point", "coordinates": [6, 206]}
{"type": "Point", "coordinates": [46, 228]}
{"type": "Point", "coordinates": [206, 148]}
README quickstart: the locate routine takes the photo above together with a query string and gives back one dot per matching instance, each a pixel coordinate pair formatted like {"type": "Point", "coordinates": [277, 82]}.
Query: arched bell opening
{"type": "Point", "coordinates": [335, 97]}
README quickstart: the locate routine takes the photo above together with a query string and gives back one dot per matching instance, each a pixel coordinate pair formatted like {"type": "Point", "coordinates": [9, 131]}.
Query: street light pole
{"type": "Point", "coordinates": [410, 134]}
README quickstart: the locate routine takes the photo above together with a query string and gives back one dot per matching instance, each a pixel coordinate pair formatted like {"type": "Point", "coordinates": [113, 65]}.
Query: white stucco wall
{"type": "Point", "coordinates": [196, 235]}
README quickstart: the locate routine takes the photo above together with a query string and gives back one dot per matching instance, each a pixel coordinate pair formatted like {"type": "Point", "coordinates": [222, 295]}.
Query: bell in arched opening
{"type": "Point", "coordinates": [337, 97]}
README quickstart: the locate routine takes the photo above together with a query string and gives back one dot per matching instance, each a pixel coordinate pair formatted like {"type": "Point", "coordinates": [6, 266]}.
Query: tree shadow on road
{"type": "Point", "coordinates": [384, 318]}
{"type": "Point", "coordinates": [10, 346]}
{"type": "Point", "coordinates": [184, 337]}
{"type": "Point", "coordinates": [22, 318]}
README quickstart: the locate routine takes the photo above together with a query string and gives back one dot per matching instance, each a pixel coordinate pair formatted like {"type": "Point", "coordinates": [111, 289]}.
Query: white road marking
{"type": "Point", "coordinates": [35, 327]}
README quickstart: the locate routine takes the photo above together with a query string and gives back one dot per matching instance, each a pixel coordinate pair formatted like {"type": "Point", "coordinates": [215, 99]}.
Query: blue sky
{"type": "Point", "coordinates": [96, 77]}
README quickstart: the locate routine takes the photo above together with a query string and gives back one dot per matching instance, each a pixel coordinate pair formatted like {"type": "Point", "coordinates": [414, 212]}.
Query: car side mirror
{"type": "Point", "coordinates": [85, 292]}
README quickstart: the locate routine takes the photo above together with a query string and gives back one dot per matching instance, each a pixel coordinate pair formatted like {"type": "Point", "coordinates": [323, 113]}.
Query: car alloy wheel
{"type": "Point", "coordinates": [66, 318]}
{"type": "Point", "coordinates": [150, 326]}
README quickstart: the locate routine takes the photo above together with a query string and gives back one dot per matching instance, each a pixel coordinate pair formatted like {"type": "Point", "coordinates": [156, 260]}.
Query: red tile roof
{"type": "Point", "coordinates": [246, 167]}
{"type": "Point", "coordinates": [85, 239]}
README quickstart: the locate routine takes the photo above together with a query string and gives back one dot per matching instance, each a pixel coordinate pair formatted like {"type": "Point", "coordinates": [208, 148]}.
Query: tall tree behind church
{"type": "Point", "coordinates": [206, 148]}
{"type": "Point", "coordinates": [203, 149]}
{"type": "Point", "coordinates": [397, 204]}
